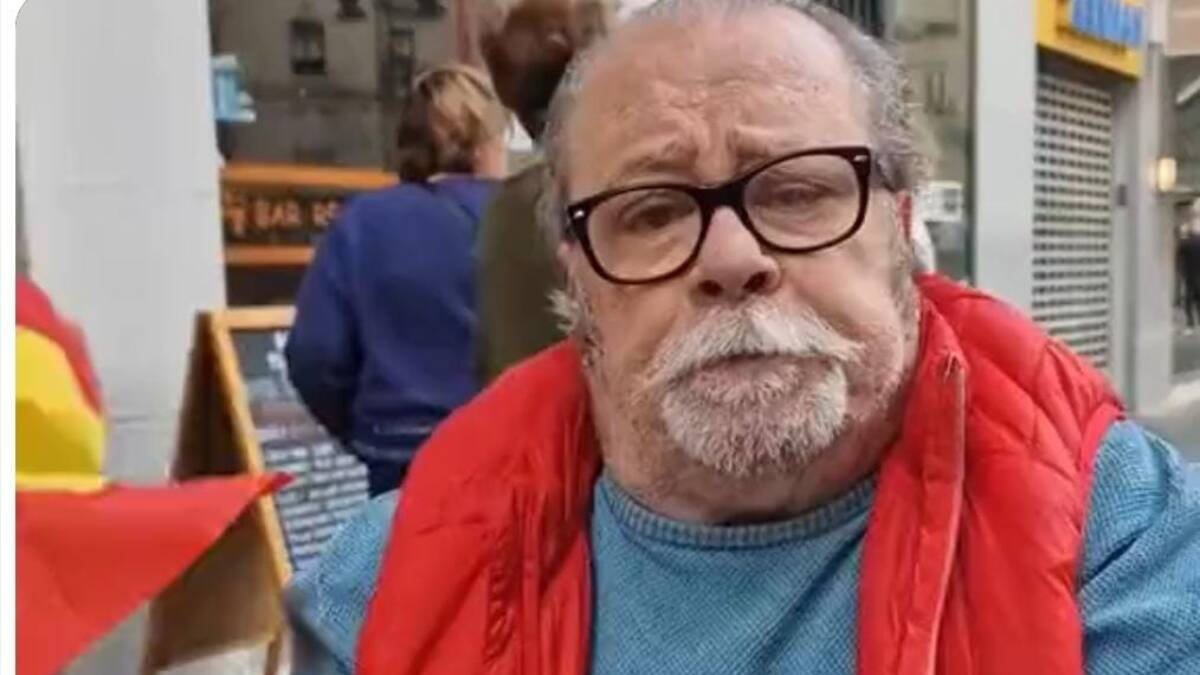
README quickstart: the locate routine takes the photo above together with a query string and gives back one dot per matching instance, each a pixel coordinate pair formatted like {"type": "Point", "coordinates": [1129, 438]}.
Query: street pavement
{"type": "Point", "coordinates": [1180, 424]}
{"type": "Point", "coordinates": [1187, 351]}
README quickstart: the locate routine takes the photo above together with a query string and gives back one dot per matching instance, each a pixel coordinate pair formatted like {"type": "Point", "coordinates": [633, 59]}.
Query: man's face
{"type": "Point", "coordinates": [528, 46]}
{"type": "Point", "coordinates": [750, 359]}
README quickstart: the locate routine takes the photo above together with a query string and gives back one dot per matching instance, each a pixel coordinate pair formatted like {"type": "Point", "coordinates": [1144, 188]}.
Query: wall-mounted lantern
{"type": "Point", "coordinates": [1166, 174]}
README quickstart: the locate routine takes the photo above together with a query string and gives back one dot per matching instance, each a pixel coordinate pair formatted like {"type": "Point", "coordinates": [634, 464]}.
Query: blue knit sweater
{"type": "Point", "coordinates": [682, 599]}
{"type": "Point", "coordinates": [383, 343]}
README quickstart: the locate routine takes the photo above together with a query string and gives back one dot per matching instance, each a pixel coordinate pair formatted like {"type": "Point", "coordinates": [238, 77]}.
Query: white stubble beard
{"type": "Point", "coordinates": [777, 421]}
{"type": "Point", "coordinates": [744, 431]}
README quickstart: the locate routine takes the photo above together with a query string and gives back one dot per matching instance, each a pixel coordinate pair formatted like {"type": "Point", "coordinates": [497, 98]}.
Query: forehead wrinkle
{"type": "Point", "coordinates": [670, 137]}
{"type": "Point", "coordinates": [645, 135]}
{"type": "Point", "coordinates": [668, 156]}
{"type": "Point", "coordinates": [767, 97]}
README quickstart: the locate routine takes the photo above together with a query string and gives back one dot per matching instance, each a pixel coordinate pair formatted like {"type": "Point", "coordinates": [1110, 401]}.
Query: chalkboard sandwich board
{"type": "Point", "coordinates": [241, 414]}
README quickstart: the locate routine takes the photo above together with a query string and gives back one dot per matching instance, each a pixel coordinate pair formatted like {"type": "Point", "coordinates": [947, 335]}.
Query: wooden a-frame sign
{"type": "Point", "coordinates": [231, 597]}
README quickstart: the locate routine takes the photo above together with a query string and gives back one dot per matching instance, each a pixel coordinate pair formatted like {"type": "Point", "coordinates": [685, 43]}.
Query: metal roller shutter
{"type": "Point", "coordinates": [1072, 236]}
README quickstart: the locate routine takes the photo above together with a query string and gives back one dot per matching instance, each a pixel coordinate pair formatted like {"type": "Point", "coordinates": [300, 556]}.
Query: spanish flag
{"type": "Point", "coordinates": [89, 552]}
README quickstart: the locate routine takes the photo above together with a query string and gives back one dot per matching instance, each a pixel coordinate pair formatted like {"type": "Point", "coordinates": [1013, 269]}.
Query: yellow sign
{"type": "Point", "coordinates": [1104, 33]}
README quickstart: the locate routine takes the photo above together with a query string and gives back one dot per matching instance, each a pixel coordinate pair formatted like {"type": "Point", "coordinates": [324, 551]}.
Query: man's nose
{"type": "Point", "coordinates": [732, 266]}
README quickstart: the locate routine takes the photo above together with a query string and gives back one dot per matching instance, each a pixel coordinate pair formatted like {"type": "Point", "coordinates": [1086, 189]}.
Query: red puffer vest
{"type": "Point", "coordinates": [971, 547]}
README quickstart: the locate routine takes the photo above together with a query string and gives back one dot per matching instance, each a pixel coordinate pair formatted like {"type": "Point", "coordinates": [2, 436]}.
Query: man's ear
{"type": "Point", "coordinates": [489, 16]}
{"type": "Point", "coordinates": [904, 212]}
{"type": "Point", "coordinates": [589, 20]}
{"type": "Point", "coordinates": [490, 20]}
{"type": "Point", "coordinates": [568, 258]}
{"type": "Point", "coordinates": [563, 255]}
{"type": "Point", "coordinates": [491, 48]}
{"type": "Point", "coordinates": [565, 300]}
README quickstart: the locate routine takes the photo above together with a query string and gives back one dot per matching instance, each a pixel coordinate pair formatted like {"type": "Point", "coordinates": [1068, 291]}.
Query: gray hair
{"type": "Point", "coordinates": [898, 138]}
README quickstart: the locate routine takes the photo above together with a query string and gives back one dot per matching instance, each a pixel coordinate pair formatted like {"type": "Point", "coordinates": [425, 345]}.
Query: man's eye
{"type": "Point", "coordinates": [654, 212]}
{"type": "Point", "coordinates": [654, 217]}
{"type": "Point", "coordinates": [797, 192]}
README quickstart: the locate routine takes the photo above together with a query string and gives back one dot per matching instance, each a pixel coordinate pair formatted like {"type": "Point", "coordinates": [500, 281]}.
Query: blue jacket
{"type": "Point", "coordinates": [383, 342]}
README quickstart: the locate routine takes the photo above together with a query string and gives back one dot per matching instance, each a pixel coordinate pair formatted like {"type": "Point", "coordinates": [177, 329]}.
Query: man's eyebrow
{"type": "Point", "coordinates": [750, 146]}
{"type": "Point", "coordinates": [677, 157]}
{"type": "Point", "coordinates": [674, 156]}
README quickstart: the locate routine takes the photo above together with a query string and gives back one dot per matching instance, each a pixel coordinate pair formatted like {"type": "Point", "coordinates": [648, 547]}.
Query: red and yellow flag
{"type": "Point", "coordinates": [89, 552]}
{"type": "Point", "coordinates": [60, 427]}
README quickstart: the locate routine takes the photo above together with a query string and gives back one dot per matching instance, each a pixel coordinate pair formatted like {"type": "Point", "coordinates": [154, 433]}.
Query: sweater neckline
{"type": "Point", "coordinates": [642, 522]}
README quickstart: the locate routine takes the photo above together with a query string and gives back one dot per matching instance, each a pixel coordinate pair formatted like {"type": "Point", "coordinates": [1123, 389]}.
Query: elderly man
{"type": "Point", "coordinates": [765, 447]}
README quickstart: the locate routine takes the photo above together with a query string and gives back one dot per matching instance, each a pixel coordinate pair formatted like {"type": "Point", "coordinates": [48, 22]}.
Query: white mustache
{"type": "Point", "coordinates": [762, 329]}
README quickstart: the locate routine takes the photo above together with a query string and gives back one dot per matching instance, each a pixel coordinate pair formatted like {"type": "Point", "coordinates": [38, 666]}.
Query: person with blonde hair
{"type": "Point", "coordinates": [382, 344]}
{"type": "Point", "coordinates": [454, 123]}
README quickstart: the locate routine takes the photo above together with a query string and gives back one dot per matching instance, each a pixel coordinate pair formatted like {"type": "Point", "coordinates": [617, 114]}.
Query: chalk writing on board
{"type": "Point", "coordinates": [328, 485]}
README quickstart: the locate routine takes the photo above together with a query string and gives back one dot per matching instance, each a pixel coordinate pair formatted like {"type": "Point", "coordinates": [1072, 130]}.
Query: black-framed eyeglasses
{"type": "Point", "coordinates": [797, 203]}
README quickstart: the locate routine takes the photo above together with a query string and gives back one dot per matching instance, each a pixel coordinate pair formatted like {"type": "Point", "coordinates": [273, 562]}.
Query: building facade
{"type": "Point", "coordinates": [1074, 223]}
{"type": "Point", "coordinates": [1181, 145]}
